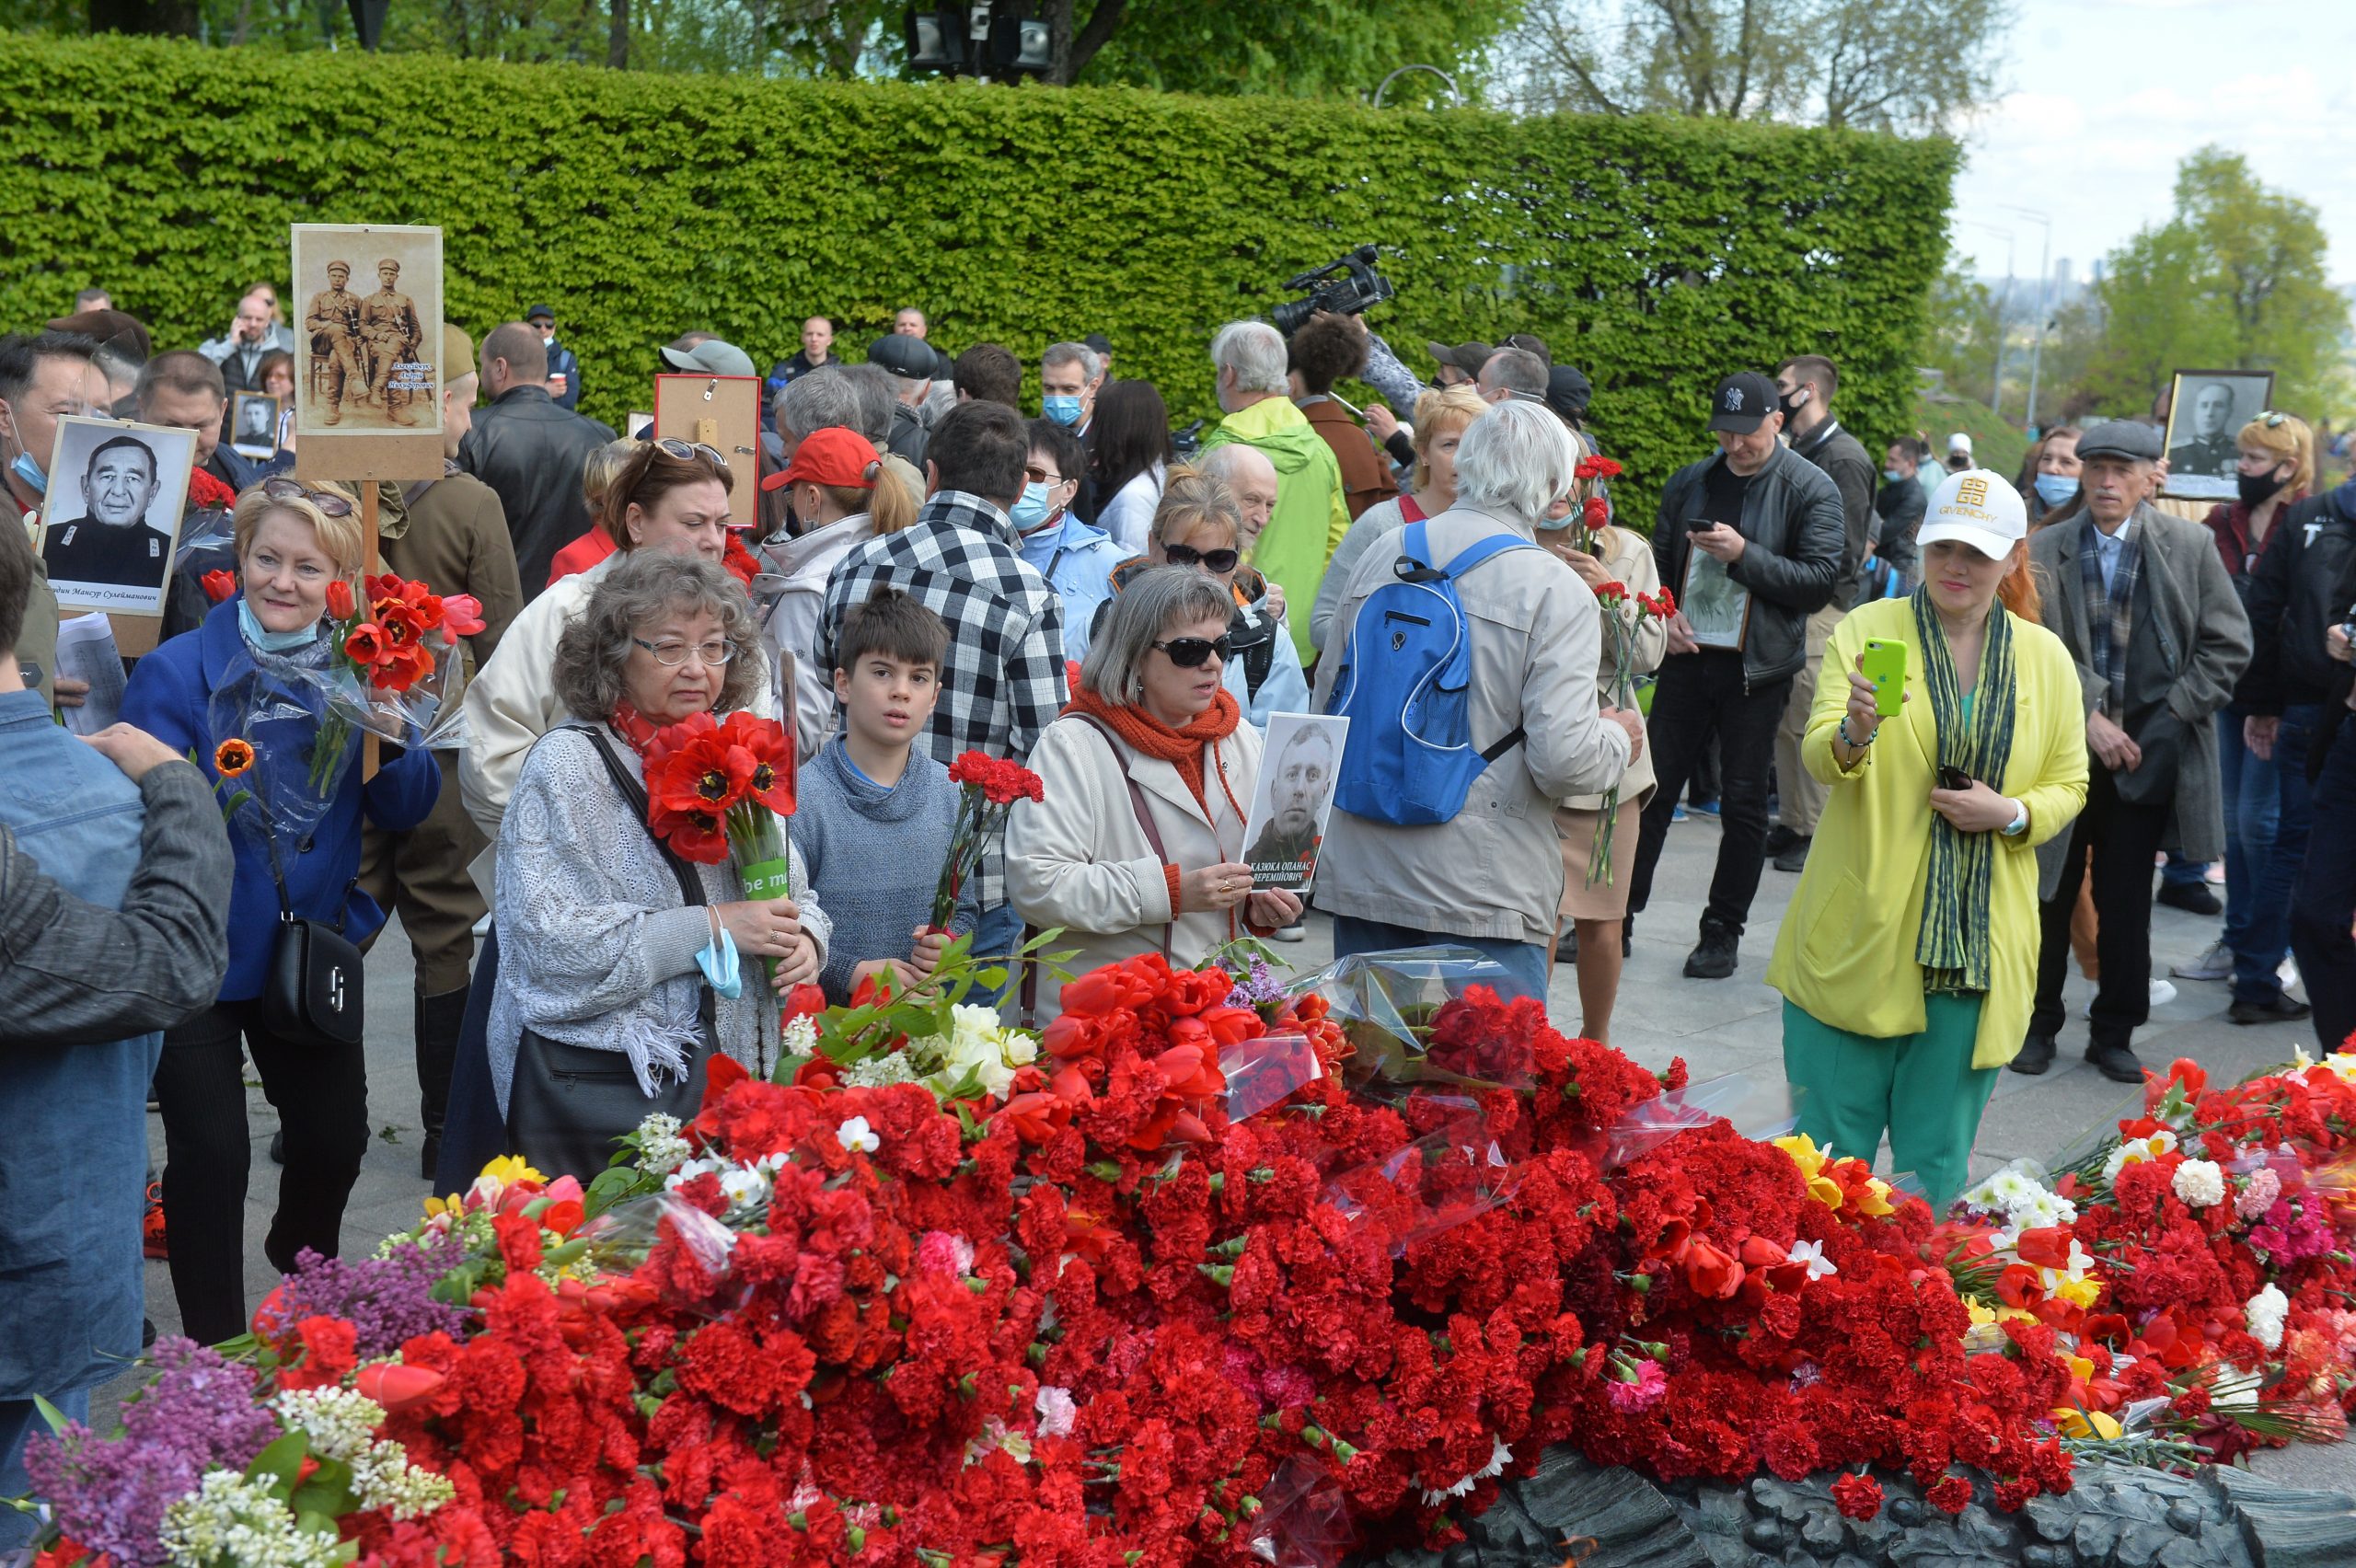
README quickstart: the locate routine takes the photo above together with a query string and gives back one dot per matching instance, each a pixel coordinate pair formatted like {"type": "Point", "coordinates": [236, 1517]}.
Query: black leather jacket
{"type": "Point", "coordinates": [1799, 533]}
{"type": "Point", "coordinates": [532, 453]}
{"type": "Point", "coordinates": [2293, 596]}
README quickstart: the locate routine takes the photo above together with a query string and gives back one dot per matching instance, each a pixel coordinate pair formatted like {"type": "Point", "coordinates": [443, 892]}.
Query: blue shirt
{"type": "Point", "coordinates": [72, 1284]}
{"type": "Point", "coordinates": [1078, 562]}
{"type": "Point", "coordinates": [2108, 547]}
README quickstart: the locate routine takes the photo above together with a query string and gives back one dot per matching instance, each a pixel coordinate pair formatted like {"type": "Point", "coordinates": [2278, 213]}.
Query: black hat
{"type": "Point", "coordinates": [1567, 391]}
{"type": "Point", "coordinates": [1099, 341]}
{"type": "Point", "coordinates": [1528, 343]}
{"type": "Point", "coordinates": [1468, 357]}
{"type": "Point", "coordinates": [1741, 402]}
{"type": "Point", "coordinates": [2120, 438]}
{"type": "Point", "coordinates": [538, 311]}
{"type": "Point", "coordinates": [904, 356]}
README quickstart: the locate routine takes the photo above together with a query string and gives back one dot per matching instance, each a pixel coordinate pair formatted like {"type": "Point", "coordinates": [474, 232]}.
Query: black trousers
{"type": "Point", "coordinates": [2324, 904]}
{"type": "Point", "coordinates": [321, 1095]}
{"type": "Point", "coordinates": [2124, 837]}
{"type": "Point", "coordinates": [1699, 695]}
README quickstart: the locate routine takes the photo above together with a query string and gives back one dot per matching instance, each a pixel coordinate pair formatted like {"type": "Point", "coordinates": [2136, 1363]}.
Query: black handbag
{"type": "Point", "coordinates": [567, 1104]}
{"type": "Point", "coordinates": [313, 988]}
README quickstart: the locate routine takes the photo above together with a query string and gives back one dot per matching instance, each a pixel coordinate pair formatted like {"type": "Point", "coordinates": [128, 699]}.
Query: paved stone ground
{"type": "Point", "coordinates": [1717, 1026]}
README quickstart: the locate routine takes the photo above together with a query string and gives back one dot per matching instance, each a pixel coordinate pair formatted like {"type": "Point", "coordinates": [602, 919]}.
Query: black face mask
{"type": "Point", "coordinates": [1791, 403]}
{"type": "Point", "coordinates": [2257, 489]}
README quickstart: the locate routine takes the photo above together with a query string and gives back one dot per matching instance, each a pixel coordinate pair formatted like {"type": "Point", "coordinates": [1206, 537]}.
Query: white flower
{"type": "Point", "coordinates": [979, 1045]}
{"type": "Point", "coordinates": [231, 1519]}
{"type": "Point", "coordinates": [661, 1149]}
{"type": "Point", "coordinates": [342, 1424]}
{"type": "Point", "coordinates": [2342, 1065]}
{"type": "Point", "coordinates": [2266, 1313]}
{"type": "Point", "coordinates": [746, 1186]}
{"type": "Point", "coordinates": [875, 1072]}
{"type": "Point", "coordinates": [2233, 1388]}
{"type": "Point", "coordinates": [2136, 1151]}
{"type": "Point", "coordinates": [857, 1134]}
{"type": "Point", "coordinates": [996, 1435]}
{"type": "Point", "coordinates": [802, 1036]}
{"type": "Point", "coordinates": [2200, 1182]}
{"type": "Point", "coordinates": [1057, 1411]}
{"type": "Point", "coordinates": [1813, 1254]}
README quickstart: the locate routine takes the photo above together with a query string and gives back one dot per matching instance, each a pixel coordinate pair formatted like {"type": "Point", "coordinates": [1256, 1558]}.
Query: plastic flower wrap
{"type": "Point", "coordinates": [1438, 1181]}
{"type": "Point", "coordinates": [281, 708]}
{"type": "Point", "coordinates": [1390, 1006]}
{"type": "Point", "coordinates": [1758, 1108]}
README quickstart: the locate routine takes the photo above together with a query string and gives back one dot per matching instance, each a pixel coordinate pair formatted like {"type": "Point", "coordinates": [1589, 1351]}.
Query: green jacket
{"type": "Point", "coordinates": [1310, 518]}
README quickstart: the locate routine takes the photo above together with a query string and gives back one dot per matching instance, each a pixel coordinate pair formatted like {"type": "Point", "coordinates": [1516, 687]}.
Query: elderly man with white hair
{"type": "Point", "coordinates": [1247, 471]}
{"type": "Point", "coordinates": [1310, 515]}
{"type": "Point", "coordinates": [1490, 877]}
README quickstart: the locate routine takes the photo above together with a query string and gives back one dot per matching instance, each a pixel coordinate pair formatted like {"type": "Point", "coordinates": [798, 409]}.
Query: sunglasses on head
{"type": "Point", "coordinates": [1218, 562]}
{"type": "Point", "coordinates": [330, 502]}
{"type": "Point", "coordinates": [1188, 653]}
{"type": "Point", "coordinates": [2272, 420]}
{"type": "Point", "coordinates": [672, 446]}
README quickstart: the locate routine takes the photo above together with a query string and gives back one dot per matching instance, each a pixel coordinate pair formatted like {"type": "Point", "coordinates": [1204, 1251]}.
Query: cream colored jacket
{"type": "Point", "coordinates": [1078, 860]}
{"type": "Point", "coordinates": [1628, 556]}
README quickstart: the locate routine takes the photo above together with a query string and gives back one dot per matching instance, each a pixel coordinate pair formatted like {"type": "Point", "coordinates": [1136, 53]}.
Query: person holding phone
{"type": "Point", "coordinates": [1908, 961]}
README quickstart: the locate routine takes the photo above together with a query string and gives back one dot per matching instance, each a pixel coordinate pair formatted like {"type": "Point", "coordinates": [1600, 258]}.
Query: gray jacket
{"type": "Point", "coordinates": [1800, 538]}
{"type": "Point", "coordinates": [2189, 643]}
{"type": "Point", "coordinates": [1495, 869]}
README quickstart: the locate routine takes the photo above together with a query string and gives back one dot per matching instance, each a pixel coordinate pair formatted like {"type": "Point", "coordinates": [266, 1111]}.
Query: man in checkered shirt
{"type": "Point", "coordinates": [1004, 679]}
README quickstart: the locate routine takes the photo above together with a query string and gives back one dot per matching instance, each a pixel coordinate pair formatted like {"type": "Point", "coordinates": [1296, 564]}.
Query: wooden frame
{"type": "Point", "coordinates": [2201, 467]}
{"type": "Point", "coordinates": [136, 609]}
{"type": "Point", "coordinates": [722, 412]}
{"type": "Point", "coordinates": [399, 437]}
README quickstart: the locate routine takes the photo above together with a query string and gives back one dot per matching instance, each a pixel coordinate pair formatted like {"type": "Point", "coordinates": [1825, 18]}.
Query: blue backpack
{"type": "Point", "coordinates": [1405, 683]}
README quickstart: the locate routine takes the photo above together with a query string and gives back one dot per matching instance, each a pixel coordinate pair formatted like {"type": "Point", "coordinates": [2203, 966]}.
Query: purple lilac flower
{"type": "Point", "coordinates": [197, 1414]}
{"type": "Point", "coordinates": [387, 1300]}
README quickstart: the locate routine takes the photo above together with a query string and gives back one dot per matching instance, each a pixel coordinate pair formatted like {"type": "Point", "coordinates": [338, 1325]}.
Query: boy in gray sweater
{"type": "Point", "coordinates": [874, 809]}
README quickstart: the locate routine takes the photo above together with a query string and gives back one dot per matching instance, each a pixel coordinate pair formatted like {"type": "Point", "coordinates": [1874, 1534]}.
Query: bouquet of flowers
{"type": "Point", "coordinates": [716, 788]}
{"type": "Point", "coordinates": [1612, 596]}
{"type": "Point", "coordinates": [394, 653]}
{"type": "Point", "coordinates": [988, 787]}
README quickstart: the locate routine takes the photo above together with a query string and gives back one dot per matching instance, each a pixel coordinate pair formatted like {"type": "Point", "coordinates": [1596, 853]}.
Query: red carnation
{"type": "Point", "coordinates": [1950, 1494]}
{"type": "Point", "coordinates": [1858, 1496]}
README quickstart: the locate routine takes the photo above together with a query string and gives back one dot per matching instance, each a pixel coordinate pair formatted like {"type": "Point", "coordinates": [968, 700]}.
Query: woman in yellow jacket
{"type": "Point", "coordinates": [1908, 961]}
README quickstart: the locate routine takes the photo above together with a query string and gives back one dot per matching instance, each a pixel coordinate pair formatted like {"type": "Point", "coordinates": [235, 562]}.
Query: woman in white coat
{"type": "Point", "coordinates": [1138, 843]}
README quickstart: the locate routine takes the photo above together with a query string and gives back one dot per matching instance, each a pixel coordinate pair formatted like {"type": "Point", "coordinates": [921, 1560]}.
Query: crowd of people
{"type": "Point", "coordinates": [2074, 681]}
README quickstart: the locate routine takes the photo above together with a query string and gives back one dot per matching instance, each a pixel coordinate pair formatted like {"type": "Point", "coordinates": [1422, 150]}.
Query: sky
{"type": "Point", "coordinates": [2102, 98]}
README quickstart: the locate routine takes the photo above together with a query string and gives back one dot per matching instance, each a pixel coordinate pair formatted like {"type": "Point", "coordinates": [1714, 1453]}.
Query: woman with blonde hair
{"type": "Point", "coordinates": [1441, 417]}
{"type": "Point", "coordinates": [292, 542]}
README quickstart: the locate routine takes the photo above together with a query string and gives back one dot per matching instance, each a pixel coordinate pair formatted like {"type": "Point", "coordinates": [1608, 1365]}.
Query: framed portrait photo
{"type": "Point", "coordinates": [1716, 606]}
{"type": "Point", "coordinates": [253, 424]}
{"type": "Point", "coordinates": [2206, 410]}
{"type": "Point", "coordinates": [1294, 797]}
{"type": "Point", "coordinates": [116, 491]}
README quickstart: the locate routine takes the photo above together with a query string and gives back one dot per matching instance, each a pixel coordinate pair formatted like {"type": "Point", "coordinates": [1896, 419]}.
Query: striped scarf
{"type": "Point", "coordinates": [2111, 612]}
{"type": "Point", "coordinates": [1954, 944]}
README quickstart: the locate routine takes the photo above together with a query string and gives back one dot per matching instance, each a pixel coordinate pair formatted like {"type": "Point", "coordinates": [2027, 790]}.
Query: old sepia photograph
{"type": "Point", "coordinates": [369, 326]}
{"type": "Point", "coordinates": [2206, 411]}
{"type": "Point", "coordinates": [115, 496]}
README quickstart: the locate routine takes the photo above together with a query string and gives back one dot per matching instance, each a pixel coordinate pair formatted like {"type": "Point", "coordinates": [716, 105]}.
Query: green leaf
{"type": "Point", "coordinates": [279, 1462]}
{"type": "Point", "coordinates": [54, 1417]}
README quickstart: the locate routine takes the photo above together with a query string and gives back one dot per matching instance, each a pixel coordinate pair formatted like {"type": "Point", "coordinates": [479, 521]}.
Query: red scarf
{"type": "Point", "coordinates": [1183, 748]}
{"type": "Point", "coordinates": [634, 727]}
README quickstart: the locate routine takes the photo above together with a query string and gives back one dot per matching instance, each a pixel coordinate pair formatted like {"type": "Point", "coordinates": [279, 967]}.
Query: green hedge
{"type": "Point", "coordinates": [1657, 254]}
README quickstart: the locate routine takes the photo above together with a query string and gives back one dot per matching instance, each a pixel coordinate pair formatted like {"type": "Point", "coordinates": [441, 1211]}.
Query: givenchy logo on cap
{"type": "Point", "coordinates": [1734, 399]}
{"type": "Point", "coordinates": [1973, 492]}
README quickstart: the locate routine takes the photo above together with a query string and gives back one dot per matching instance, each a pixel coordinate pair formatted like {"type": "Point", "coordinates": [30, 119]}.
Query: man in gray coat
{"type": "Point", "coordinates": [1491, 876]}
{"type": "Point", "coordinates": [2142, 600]}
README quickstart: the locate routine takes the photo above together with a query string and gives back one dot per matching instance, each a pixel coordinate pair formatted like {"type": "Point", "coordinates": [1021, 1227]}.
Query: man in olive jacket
{"type": "Point", "coordinates": [2143, 602]}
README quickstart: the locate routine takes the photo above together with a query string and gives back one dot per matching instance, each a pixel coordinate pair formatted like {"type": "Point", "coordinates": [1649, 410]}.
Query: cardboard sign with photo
{"type": "Point", "coordinates": [253, 424]}
{"type": "Point", "coordinates": [113, 516]}
{"type": "Point", "coordinates": [1293, 800]}
{"type": "Point", "coordinates": [1716, 606]}
{"type": "Point", "coordinates": [2206, 411]}
{"type": "Point", "coordinates": [368, 326]}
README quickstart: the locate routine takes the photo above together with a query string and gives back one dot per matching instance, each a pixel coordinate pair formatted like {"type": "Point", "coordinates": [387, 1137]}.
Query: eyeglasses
{"type": "Point", "coordinates": [1216, 562]}
{"type": "Point", "coordinates": [671, 655]}
{"type": "Point", "coordinates": [330, 502]}
{"type": "Point", "coordinates": [1188, 653]}
{"type": "Point", "coordinates": [1040, 475]}
{"type": "Point", "coordinates": [687, 451]}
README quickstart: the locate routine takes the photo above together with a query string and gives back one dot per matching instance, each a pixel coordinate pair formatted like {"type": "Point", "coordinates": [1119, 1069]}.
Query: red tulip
{"type": "Point", "coordinates": [365, 645]}
{"type": "Point", "coordinates": [340, 604]}
{"type": "Point", "coordinates": [2047, 1247]}
{"type": "Point", "coordinates": [398, 1387]}
{"type": "Point", "coordinates": [462, 615]}
{"type": "Point", "coordinates": [220, 586]}
{"type": "Point", "coordinates": [1710, 1271]}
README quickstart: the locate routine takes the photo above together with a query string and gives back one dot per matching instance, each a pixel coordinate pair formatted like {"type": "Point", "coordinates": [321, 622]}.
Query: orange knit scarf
{"type": "Point", "coordinates": [1182, 749]}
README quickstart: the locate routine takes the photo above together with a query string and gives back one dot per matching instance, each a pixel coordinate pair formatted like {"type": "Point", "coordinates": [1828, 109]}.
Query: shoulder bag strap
{"type": "Point", "coordinates": [1136, 805]}
{"type": "Point", "coordinates": [690, 881]}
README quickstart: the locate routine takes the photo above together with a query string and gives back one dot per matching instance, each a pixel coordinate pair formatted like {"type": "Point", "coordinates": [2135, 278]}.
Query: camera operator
{"type": "Point", "coordinates": [1328, 348]}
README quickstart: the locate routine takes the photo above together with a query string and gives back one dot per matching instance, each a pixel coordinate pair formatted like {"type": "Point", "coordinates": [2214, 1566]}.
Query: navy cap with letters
{"type": "Point", "coordinates": [1741, 402]}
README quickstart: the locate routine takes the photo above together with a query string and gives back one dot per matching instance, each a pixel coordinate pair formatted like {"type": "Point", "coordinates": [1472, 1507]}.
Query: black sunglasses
{"type": "Point", "coordinates": [1218, 562]}
{"type": "Point", "coordinates": [330, 502]}
{"type": "Point", "coordinates": [671, 447]}
{"type": "Point", "coordinates": [1187, 652]}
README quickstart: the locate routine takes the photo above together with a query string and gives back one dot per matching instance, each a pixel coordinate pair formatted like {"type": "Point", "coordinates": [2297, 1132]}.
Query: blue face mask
{"type": "Point", "coordinates": [1031, 511]}
{"type": "Point", "coordinates": [2055, 489]}
{"type": "Point", "coordinates": [1064, 409]}
{"type": "Point", "coordinates": [272, 641]}
{"type": "Point", "coordinates": [720, 967]}
{"type": "Point", "coordinates": [1892, 475]}
{"type": "Point", "coordinates": [25, 468]}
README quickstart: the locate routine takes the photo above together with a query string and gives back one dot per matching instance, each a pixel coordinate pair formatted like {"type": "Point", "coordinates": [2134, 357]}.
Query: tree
{"type": "Point", "coordinates": [1861, 63]}
{"type": "Point", "coordinates": [2234, 279]}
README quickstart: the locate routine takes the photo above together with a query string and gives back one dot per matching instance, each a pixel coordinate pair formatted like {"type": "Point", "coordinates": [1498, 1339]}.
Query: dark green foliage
{"type": "Point", "coordinates": [1657, 254]}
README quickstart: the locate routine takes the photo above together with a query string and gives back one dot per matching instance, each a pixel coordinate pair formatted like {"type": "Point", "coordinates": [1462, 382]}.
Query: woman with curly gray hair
{"type": "Point", "coordinates": [623, 966]}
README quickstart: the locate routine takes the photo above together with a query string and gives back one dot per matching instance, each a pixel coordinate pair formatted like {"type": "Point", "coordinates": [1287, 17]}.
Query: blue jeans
{"type": "Point", "coordinates": [2181, 872]}
{"type": "Point", "coordinates": [2324, 902]}
{"type": "Point", "coordinates": [19, 1419]}
{"type": "Point", "coordinates": [1525, 966]}
{"type": "Point", "coordinates": [995, 936]}
{"type": "Point", "coordinates": [2246, 782]}
{"type": "Point", "coordinates": [2255, 977]}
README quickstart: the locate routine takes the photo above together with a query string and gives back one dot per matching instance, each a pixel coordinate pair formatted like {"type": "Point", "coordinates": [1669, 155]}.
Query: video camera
{"type": "Point", "coordinates": [1344, 287]}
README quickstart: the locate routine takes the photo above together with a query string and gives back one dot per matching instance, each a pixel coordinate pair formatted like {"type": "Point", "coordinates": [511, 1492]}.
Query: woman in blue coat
{"type": "Point", "coordinates": [292, 541]}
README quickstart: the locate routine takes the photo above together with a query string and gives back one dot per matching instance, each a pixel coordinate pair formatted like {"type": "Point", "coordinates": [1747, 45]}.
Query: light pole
{"type": "Point", "coordinates": [1996, 390]}
{"type": "Point", "coordinates": [2044, 306]}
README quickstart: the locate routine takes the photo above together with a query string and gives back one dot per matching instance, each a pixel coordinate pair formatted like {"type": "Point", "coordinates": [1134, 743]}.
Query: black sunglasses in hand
{"type": "Point", "coordinates": [1219, 563]}
{"type": "Point", "coordinates": [1187, 652]}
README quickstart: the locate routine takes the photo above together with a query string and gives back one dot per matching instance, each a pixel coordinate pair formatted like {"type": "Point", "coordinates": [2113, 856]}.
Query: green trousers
{"type": "Point", "coordinates": [1922, 1088]}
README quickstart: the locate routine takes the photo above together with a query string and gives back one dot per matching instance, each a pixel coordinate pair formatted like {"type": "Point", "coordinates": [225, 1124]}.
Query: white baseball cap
{"type": "Point", "coordinates": [1977, 507]}
{"type": "Point", "coordinates": [1960, 442]}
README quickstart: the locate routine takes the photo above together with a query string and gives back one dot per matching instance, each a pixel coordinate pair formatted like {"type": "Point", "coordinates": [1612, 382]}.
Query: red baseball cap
{"type": "Point", "coordinates": [835, 456]}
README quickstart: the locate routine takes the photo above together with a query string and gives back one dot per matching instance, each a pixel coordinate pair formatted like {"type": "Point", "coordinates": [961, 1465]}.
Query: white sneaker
{"type": "Point", "coordinates": [2215, 962]}
{"type": "Point", "coordinates": [2162, 995]}
{"type": "Point", "coordinates": [1296, 933]}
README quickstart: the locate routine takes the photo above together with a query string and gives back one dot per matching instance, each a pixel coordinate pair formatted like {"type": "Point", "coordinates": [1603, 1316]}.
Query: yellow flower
{"type": "Point", "coordinates": [1981, 1311]}
{"type": "Point", "coordinates": [1876, 1202]}
{"type": "Point", "coordinates": [1804, 1153]}
{"type": "Point", "coordinates": [510, 1169]}
{"type": "Point", "coordinates": [2079, 1293]}
{"type": "Point", "coordinates": [2081, 1370]}
{"type": "Point", "coordinates": [2076, 1423]}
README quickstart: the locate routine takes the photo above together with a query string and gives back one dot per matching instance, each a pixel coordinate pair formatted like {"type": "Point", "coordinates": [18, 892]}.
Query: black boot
{"type": "Point", "coordinates": [439, 1020]}
{"type": "Point", "coordinates": [2037, 1054]}
{"type": "Point", "coordinates": [1713, 957]}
